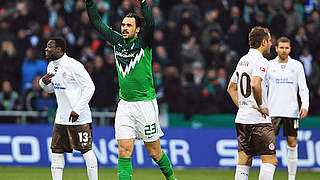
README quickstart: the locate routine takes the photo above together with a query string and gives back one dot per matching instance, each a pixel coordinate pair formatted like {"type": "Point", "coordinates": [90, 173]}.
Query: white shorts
{"type": "Point", "coordinates": [138, 119]}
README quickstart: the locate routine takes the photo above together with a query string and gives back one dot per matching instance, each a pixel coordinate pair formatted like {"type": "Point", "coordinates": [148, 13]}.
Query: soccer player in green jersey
{"type": "Point", "coordinates": [137, 111]}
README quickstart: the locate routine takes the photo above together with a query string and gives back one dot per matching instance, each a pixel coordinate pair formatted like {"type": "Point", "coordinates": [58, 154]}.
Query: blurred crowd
{"type": "Point", "coordinates": [196, 46]}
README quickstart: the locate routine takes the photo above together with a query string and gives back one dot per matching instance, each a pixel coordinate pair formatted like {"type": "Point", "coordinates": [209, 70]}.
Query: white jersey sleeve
{"type": "Point", "coordinates": [303, 88]}
{"type": "Point", "coordinates": [85, 82]}
{"type": "Point", "coordinates": [260, 69]}
{"type": "Point", "coordinates": [234, 77]}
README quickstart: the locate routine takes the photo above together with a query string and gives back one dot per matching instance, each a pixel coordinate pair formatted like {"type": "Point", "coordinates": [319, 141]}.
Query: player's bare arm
{"type": "Point", "coordinates": [46, 79]}
{"type": "Point", "coordinates": [233, 92]}
{"type": "Point", "coordinates": [257, 94]}
{"type": "Point", "coordinates": [256, 89]}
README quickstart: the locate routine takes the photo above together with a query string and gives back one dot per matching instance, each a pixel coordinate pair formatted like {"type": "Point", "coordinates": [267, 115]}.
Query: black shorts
{"type": "Point", "coordinates": [69, 137]}
{"type": "Point", "coordinates": [256, 139]}
{"type": "Point", "coordinates": [290, 125]}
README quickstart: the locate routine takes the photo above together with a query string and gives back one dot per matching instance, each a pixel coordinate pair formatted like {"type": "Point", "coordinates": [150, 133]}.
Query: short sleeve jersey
{"type": "Point", "coordinates": [252, 64]}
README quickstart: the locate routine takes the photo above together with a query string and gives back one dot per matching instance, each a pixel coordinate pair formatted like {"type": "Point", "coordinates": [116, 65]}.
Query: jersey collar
{"type": "Point", "coordinates": [277, 59]}
{"type": "Point", "coordinates": [58, 61]}
{"type": "Point", "coordinates": [255, 51]}
{"type": "Point", "coordinates": [131, 40]}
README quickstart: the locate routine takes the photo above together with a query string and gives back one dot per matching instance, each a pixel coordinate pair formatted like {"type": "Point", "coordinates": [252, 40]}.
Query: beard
{"type": "Point", "coordinates": [50, 57]}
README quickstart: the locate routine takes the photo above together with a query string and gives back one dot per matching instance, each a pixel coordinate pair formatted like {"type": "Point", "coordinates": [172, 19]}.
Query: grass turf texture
{"type": "Point", "coordinates": [37, 173]}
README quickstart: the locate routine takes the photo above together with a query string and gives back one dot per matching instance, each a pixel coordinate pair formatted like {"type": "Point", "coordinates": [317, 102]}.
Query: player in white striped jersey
{"type": "Point", "coordinates": [248, 91]}
{"type": "Point", "coordinates": [286, 78]}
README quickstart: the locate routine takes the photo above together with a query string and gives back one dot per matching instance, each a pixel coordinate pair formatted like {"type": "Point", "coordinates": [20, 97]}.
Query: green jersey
{"type": "Point", "coordinates": [133, 58]}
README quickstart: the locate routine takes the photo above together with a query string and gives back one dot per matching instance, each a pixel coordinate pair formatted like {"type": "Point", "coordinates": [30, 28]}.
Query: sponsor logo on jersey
{"type": "Point", "coordinates": [58, 86]}
{"type": "Point", "coordinates": [262, 69]}
{"type": "Point", "coordinates": [283, 81]}
{"type": "Point", "coordinates": [125, 67]}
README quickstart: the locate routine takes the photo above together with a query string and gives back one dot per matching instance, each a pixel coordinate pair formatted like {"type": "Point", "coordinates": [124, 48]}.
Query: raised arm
{"type": "Point", "coordinates": [148, 28]}
{"type": "Point", "coordinates": [95, 19]}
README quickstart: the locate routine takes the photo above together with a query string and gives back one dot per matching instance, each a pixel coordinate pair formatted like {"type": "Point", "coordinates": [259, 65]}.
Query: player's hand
{"type": "Point", "coordinates": [303, 113]}
{"type": "Point", "coordinates": [263, 111]}
{"type": "Point", "coordinates": [73, 116]}
{"type": "Point", "coordinates": [46, 79]}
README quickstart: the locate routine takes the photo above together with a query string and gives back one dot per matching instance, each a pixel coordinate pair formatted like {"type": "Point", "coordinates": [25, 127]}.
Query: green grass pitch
{"type": "Point", "coordinates": [43, 173]}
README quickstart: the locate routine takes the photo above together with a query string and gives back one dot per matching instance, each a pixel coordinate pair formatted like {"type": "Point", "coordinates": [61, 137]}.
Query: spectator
{"type": "Point", "coordinates": [250, 10]}
{"type": "Point", "coordinates": [158, 79]}
{"type": "Point", "coordinates": [46, 103]}
{"type": "Point", "coordinates": [211, 28]}
{"type": "Point", "coordinates": [293, 20]}
{"type": "Point", "coordinates": [9, 63]}
{"type": "Point", "coordinates": [9, 101]}
{"type": "Point", "coordinates": [161, 56]}
{"type": "Point", "coordinates": [190, 96]}
{"type": "Point", "coordinates": [103, 99]}
{"type": "Point", "coordinates": [209, 92]}
{"type": "Point", "coordinates": [31, 67]}
{"type": "Point", "coordinates": [172, 89]}
{"type": "Point", "coordinates": [186, 9]}
{"type": "Point", "coordinates": [190, 53]}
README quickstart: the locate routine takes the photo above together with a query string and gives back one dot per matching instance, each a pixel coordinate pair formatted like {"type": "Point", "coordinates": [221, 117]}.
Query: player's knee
{"type": "Point", "coordinates": [124, 152]}
{"type": "Point", "coordinates": [155, 155]}
{"type": "Point", "coordinates": [274, 161]}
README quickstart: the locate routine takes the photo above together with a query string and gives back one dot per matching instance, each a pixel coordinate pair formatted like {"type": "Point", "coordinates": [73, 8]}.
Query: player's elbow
{"type": "Point", "coordinates": [255, 85]}
{"type": "Point", "coordinates": [232, 87]}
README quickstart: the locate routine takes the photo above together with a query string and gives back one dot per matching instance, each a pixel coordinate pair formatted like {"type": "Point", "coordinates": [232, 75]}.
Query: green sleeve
{"type": "Point", "coordinates": [148, 28]}
{"type": "Point", "coordinates": [95, 19]}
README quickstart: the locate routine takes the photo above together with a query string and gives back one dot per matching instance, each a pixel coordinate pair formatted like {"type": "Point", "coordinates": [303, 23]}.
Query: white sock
{"type": "Point", "coordinates": [292, 162]}
{"type": "Point", "coordinates": [266, 171]}
{"type": "Point", "coordinates": [242, 172]}
{"type": "Point", "coordinates": [57, 165]}
{"type": "Point", "coordinates": [92, 165]}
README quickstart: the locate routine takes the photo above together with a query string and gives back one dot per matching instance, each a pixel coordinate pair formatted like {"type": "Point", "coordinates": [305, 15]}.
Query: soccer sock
{"type": "Point", "coordinates": [57, 165]}
{"type": "Point", "coordinates": [292, 162]}
{"type": "Point", "coordinates": [92, 165]}
{"type": "Point", "coordinates": [242, 172]}
{"type": "Point", "coordinates": [266, 171]}
{"type": "Point", "coordinates": [165, 166]}
{"type": "Point", "coordinates": [124, 168]}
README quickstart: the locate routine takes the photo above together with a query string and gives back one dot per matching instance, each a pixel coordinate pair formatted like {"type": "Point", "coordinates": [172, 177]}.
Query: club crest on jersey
{"type": "Point", "coordinates": [271, 146]}
{"type": "Point", "coordinates": [262, 69]}
{"type": "Point", "coordinates": [64, 74]}
{"type": "Point", "coordinates": [125, 67]}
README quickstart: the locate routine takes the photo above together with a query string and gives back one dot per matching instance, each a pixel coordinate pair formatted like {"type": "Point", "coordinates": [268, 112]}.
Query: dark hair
{"type": "Point", "coordinates": [60, 42]}
{"type": "Point", "coordinates": [283, 39]}
{"type": "Point", "coordinates": [139, 19]}
{"type": "Point", "coordinates": [256, 35]}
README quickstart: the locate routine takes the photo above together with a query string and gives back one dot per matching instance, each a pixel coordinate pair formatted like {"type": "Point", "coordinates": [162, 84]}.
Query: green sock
{"type": "Point", "coordinates": [124, 168]}
{"type": "Point", "coordinates": [165, 167]}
